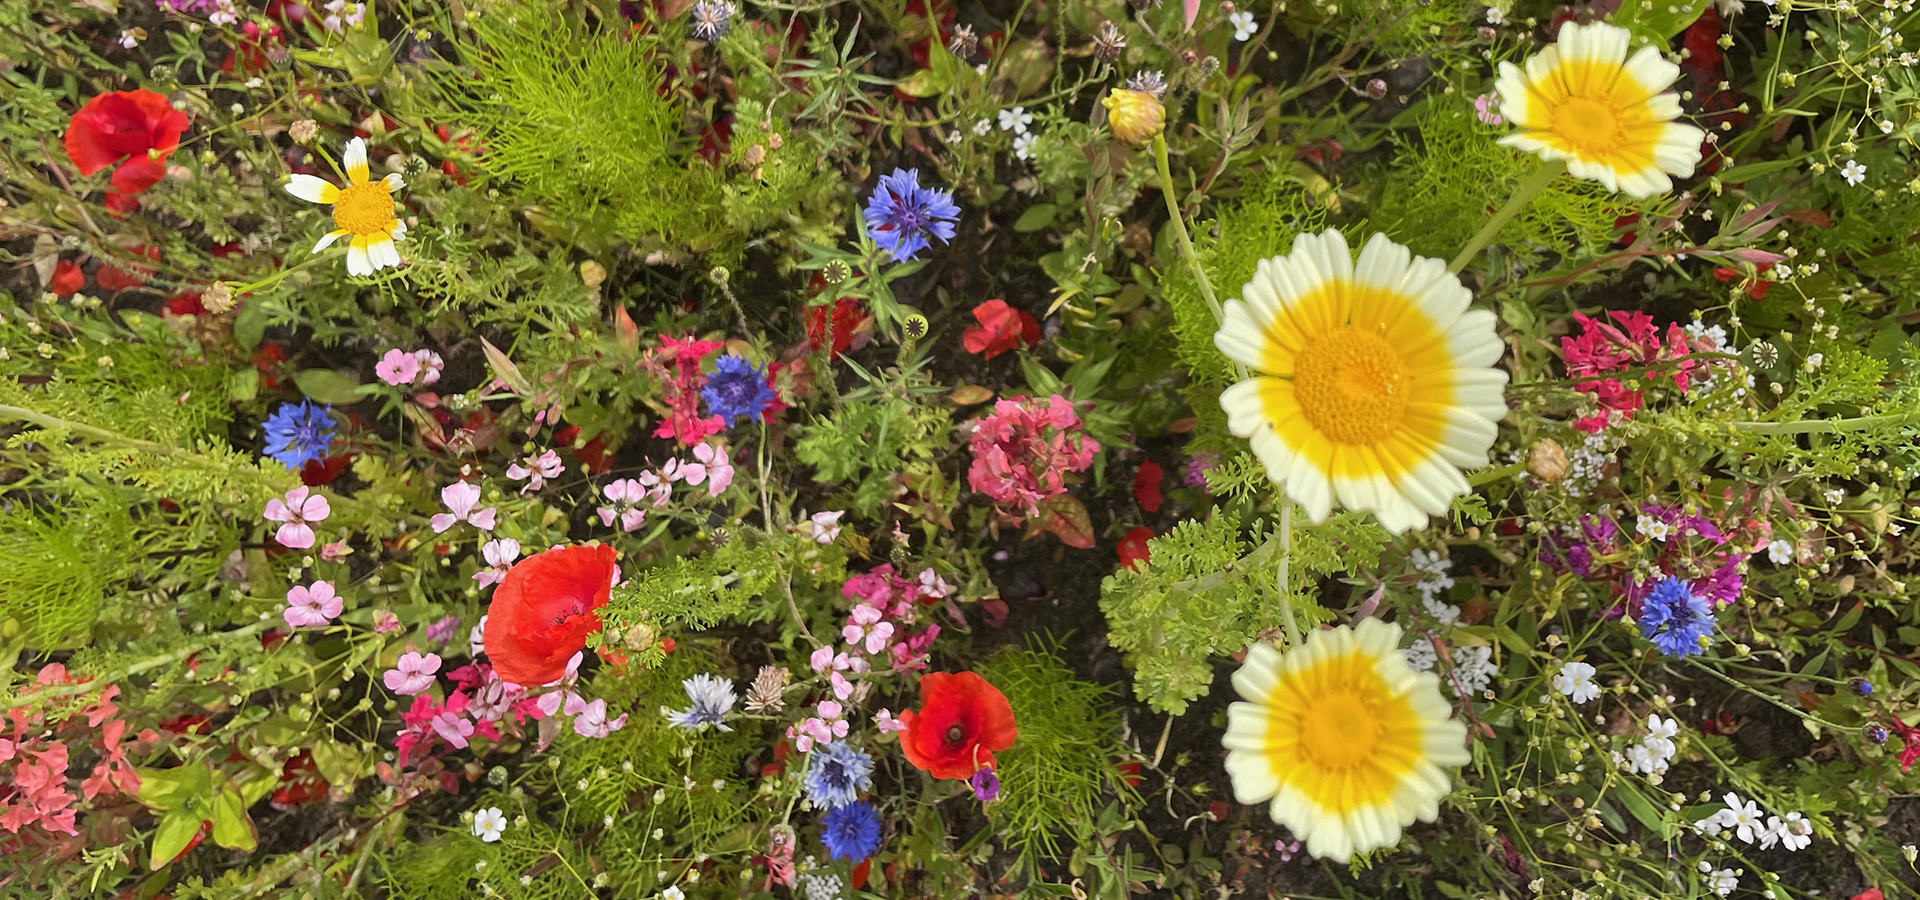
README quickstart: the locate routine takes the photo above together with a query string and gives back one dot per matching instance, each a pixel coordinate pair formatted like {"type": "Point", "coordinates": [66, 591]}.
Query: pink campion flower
{"type": "Point", "coordinates": [820, 729]}
{"type": "Point", "coordinates": [477, 638]}
{"type": "Point", "coordinates": [625, 495]}
{"type": "Point", "coordinates": [590, 719]}
{"type": "Point", "coordinates": [910, 655]}
{"type": "Point", "coordinates": [461, 497]}
{"type": "Point", "coordinates": [336, 551]}
{"type": "Point", "coordinates": [864, 627]}
{"type": "Point", "coordinates": [413, 674]}
{"type": "Point", "coordinates": [538, 468]}
{"type": "Point", "coordinates": [311, 606]}
{"type": "Point", "coordinates": [1486, 108]}
{"type": "Point", "coordinates": [713, 465]}
{"type": "Point", "coordinates": [499, 554]}
{"type": "Point", "coordinates": [887, 724]}
{"type": "Point", "coordinates": [385, 622]}
{"type": "Point", "coordinates": [842, 688]}
{"type": "Point", "coordinates": [297, 513]}
{"type": "Point", "coordinates": [398, 368]}
{"type": "Point", "coordinates": [429, 364]}
{"type": "Point", "coordinates": [826, 525]}
{"type": "Point", "coordinates": [1023, 450]}
{"type": "Point", "coordinates": [932, 586]}
{"type": "Point", "coordinates": [450, 723]}
{"type": "Point", "coordinates": [825, 660]}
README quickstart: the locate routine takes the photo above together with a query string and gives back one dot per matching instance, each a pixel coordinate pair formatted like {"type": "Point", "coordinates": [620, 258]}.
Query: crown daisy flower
{"type": "Point", "coordinates": [1375, 382]}
{"type": "Point", "coordinates": [1345, 739]}
{"type": "Point", "coordinates": [362, 211]}
{"type": "Point", "coordinates": [1609, 116]}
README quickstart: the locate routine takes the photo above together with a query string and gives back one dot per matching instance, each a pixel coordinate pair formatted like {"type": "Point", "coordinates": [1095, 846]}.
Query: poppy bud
{"type": "Point", "coordinates": [1134, 116]}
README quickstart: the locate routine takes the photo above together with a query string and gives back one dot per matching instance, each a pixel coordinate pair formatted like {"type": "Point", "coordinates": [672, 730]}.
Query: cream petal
{"type": "Point", "coordinates": [1383, 263]}
{"type": "Point", "coordinates": [1308, 486]}
{"type": "Point", "coordinates": [1272, 451]}
{"type": "Point", "coordinates": [312, 189]}
{"type": "Point", "coordinates": [354, 161]}
{"type": "Point", "coordinates": [1253, 778]}
{"type": "Point", "coordinates": [1651, 71]}
{"type": "Point", "coordinates": [326, 240]}
{"type": "Point", "coordinates": [399, 230]}
{"type": "Point", "coordinates": [395, 182]}
{"type": "Point", "coordinates": [1246, 414]}
{"type": "Point", "coordinates": [358, 263]}
{"type": "Point", "coordinates": [1240, 336]}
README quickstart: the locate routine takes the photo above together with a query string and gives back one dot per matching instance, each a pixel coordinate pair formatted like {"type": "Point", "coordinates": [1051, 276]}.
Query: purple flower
{"type": "Point", "coordinates": [736, 389]}
{"type": "Point", "coordinates": [1197, 466]}
{"type": "Point", "coordinates": [986, 785]}
{"type": "Point", "coordinates": [1723, 586]}
{"type": "Point", "coordinates": [901, 214]}
{"type": "Point", "coordinates": [851, 832]}
{"type": "Point", "coordinates": [442, 631]}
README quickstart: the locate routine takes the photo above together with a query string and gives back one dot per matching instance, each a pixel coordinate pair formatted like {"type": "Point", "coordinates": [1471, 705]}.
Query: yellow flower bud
{"type": "Point", "coordinates": [1134, 116]}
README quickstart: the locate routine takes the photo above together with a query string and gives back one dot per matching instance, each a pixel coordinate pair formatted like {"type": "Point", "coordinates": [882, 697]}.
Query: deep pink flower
{"type": "Point", "coordinates": [413, 674]}
{"type": "Point", "coordinates": [1023, 450]}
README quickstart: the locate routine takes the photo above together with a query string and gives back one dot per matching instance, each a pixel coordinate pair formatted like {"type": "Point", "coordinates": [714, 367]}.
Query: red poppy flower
{"type": "Point", "coordinates": [67, 278]}
{"type": "Point", "coordinates": [961, 722]}
{"type": "Point", "coordinates": [1002, 328]}
{"type": "Point", "coordinates": [1146, 485]}
{"type": "Point", "coordinates": [543, 611]}
{"type": "Point", "coordinates": [135, 129]}
{"type": "Point", "coordinates": [1133, 548]}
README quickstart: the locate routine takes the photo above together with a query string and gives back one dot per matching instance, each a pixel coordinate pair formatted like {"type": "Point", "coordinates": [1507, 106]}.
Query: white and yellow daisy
{"type": "Point", "coordinates": [1610, 117]}
{"type": "Point", "coordinates": [362, 211]}
{"type": "Point", "coordinates": [1375, 383]}
{"type": "Point", "coordinates": [1345, 739]}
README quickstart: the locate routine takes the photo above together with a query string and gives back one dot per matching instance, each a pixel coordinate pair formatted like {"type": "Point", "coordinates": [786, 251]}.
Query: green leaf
{"type": "Point", "coordinates": [232, 828]}
{"type": "Point", "coordinates": [1643, 809]}
{"type": "Point", "coordinates": [1656, 23]}
{"type": "Point", "coordinates": [1040, 378]}
{"type": "Point", "coordinates": [171, 837]}
{"type": "Point", "coordinates": [1037, 216]}
{"type": "Point", "coordinates": [170, 789]}
{"type": "Point", "coordinates": [243, 384]}
{"type": "Point", "coordinates": [328, 386]}
{"type": "Point", "coordinates": [250, 325]}
{"type": "Point", "coordinates": [1738, 174]}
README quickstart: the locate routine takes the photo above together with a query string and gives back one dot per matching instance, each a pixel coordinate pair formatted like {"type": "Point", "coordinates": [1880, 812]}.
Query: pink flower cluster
{"type": "Point", "coordinates": [1023, 450]}
{"type": "Point", "coordinates": [888, 605]}
{"type": "Point", "coordinates": [710, 466]}
{"type": "Point", "coordinates": [1633, 342]}
{"type": "Point", "coordinates": [828, 723]}
{"type": "Point", "coordinates": [34, 793]}
{"type": "Point", "coordinates": [481, 704]}
{"type": "Point", "coordinates": [403, 369]}
{"type": "Point", "coordinates": [675, 364]}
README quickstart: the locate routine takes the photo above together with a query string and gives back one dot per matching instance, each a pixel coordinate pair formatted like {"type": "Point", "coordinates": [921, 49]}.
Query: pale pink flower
{"type": "Point", "coordinates": [864, 627]}
{"type": "Point", "coordinates": [430, 365]}
{"type": "Point", "coordinates": [842, 688]}
{"type": "Point", "coordinates": [932, 585]}
{"type": "Point", "coordinates": [452, 726]}
{"type": "Point", "coordinates": [442, 631]}
{"type": "Point", "coordinates": [625, 494]}
{"type": "Point", "coordinates": [825, 660]}
{"type": "Point", "coordinates": [336, 551]}
{"type": "Point", "coordinates": [826, 525]}
{"type": "Point", "coordinates": [718, 469]}
{"type": "Point", "coordinates": [397, 368]}
{"type": "Point", "coordinates": [297, 513]}
{"type": "Point", "coordinates": [538, 468]}
{"type": "Point", "coordinates": [590, 719]}
{"type": "Point", "coordinates": [499, 554]}
{"type": "Point", "coordinates": [413, 674]}
{"type": "Point", "coordinates": [461, 497]}
{"type": "Point", "coordinates": [1486, 108]}
{"type": "Point", "coordinates": [311, 606]}
{"type": "Point", "coordinates": [887, 724]}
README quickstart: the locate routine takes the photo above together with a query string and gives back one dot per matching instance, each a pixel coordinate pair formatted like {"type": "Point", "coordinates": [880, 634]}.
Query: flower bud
{"type": "Point", "coordinates": [303, 131]}
{"type": "Point", "coordinates": [217, 298]}
{"type": "Point", "coordinates": [1547, 460]}
{"type": "Point", "coordinates": [592, 273]}
{"type": "Point", "coordinates": [1134, 116]}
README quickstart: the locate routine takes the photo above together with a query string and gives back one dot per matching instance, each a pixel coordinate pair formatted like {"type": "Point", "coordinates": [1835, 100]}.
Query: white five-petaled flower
{"type": "Point", "coordinates": [1023, 146]}
{"type": "Point", "coordinates": [826, 525]}
{"type": "Point", "coordinates": [461, 497]}
{"type": "Point", "coordinates": [1780, 551]}
{"type": "Point", "coordinates": [1653, 528]}
{"type": "Point", "coordinates": [1723, 881]}
{"type": "Point", "coordinates": [489, 824]}
{"type": "Point", "coordinates": [1793, 832]}
{"type": "Point", "coordinates": [1575, 679]}
{"type": "Point", "coordinates": [362, 211]}
{"type": "Point", "coordinates": [1854, 172]}
{"type": "Point", "coordinates": [1015, 120]}
{"type": "Point", "coordinates": [1243, 25]}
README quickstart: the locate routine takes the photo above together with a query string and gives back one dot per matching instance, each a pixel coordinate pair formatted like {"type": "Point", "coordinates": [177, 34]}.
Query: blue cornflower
{"type": "Point", "coordinates": [298, 433]}
{"type": "Point", "coordinates": [901, 214]}
{"type": "Point", "coordinates": [1675, 619]}
{"type": "Point", "coordinates": [851, 832]}
{"type": "Point", "coordinates": [737, 389]}
{"type": "Point", "coordinates": [837, 773]}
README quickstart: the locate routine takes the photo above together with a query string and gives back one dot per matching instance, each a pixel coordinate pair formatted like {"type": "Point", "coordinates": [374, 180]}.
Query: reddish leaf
{"type": "Point", "coordinates": [1133, 548]}
{"type": "Point", "coordinates": [1002, 328]}
{"type": "Point", "coordinates": [1067, 518]}
{"type": "Point", "coordinates": [1146, 486]}
{"type": "Point", "coordinates": [996, 611]}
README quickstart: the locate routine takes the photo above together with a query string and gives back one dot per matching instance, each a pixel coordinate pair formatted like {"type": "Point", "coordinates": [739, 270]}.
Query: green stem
{"type": "Point", "coordinates": [100, 434]}
{"type": "Point", "coordinates": [1522, 195]}
{"type": "Point", "coordinates": [1180, 227]}
{"type": "Point", "coordinates": [1281, 581]}
{"type": "Point", "coordinates": [1828, 426]}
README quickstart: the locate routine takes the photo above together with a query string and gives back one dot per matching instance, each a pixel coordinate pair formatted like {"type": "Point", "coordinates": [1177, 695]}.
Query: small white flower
{"type": "Point", "coordinates": [1575, 680]}
{"type": "Point", "coordinates": [1495, 16]}
{"type": "Point", "coordinates": [129, 40]}
{"type": "Point", "coordinates": [1015, 120]}
{"type": "Point", "coordinates": [1853, 172]}
{"type": "Point", "coordinates": [1243, 26]}
{"type": "Point", "coordinates": [1780, 551]}
{"type": "Point", "coordinates": [1421, 656]}
{"type": "Point", "coordinates": [982, 127]}
{"type": "Point", "coordinates": [1793, 832]}
{"type": "Point", "coordinates": [673, 892]}
{"type": "Point", "coordinates": [1835, 496]}
{"type": "Point", "coordinates": [1743, 819]}
{"type": "Point", "coordinates": [1723, 881]}
{"type": "Point", "coordinates": [489, 824]}
{"type": "Point", "coordinates": [1023, 145]}
{"type": "Point", "coordinates": [1653, 528]}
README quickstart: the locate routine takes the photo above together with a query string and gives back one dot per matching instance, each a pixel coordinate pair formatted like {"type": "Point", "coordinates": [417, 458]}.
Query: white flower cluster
{"type": "Point", "coordinates": [1652, 755]}
{"type": "Point", "coordinates": [1434, 582]}
{"type": "Point", "coordinates": [1742, 821]}
{"type": "Point", "coordinates": [1586, 464]}
{"type": "Point", "coordinates": [820, 887]}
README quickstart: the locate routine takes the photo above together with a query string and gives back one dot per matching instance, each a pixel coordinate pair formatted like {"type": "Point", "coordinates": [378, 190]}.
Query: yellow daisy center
{"type": "Point", "coordinates": [1600, 113]}
{"type": "Point", "coordinates": [1588, 125]}
{"type": "Point", "coordinates": [364, 209]}
{"type": "Point", "coordinates": [1352, 385]}
{"type": "Point", "coordinates": [1340, 735]}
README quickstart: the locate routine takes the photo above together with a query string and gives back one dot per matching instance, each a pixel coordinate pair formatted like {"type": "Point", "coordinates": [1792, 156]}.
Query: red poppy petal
{"type": "Point", "coordinates": [137, 174]}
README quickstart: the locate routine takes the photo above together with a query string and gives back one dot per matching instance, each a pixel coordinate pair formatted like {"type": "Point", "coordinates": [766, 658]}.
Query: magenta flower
{"type": "Point", "coordinates": [296, 513]}
{"type": "Point", "coordinates": [413, 674]}
{"type": "Point", "coordinates": [461, 497]}
{"type": "Point", "coordinates": [311, 606]}
{"type": "Point", "coordinates": [398, 368]}
{"type": "Point", "coordinates": [499, 554]}
{"type": "Point", "coordinates": [1023, 450]}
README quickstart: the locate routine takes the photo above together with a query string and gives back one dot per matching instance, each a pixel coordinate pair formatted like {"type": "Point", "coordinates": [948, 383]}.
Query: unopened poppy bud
{"type": "Point", "coordinates": [1134, 116]}
{"type": "Point", "coordinates": [1547, 460]}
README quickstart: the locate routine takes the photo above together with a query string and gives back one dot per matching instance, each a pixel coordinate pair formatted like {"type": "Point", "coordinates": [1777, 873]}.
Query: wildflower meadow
{"type": "Point", "coordinates": [959, 449]}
